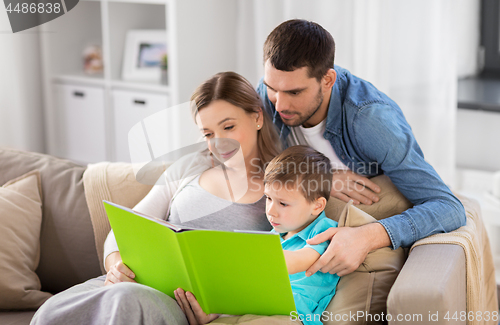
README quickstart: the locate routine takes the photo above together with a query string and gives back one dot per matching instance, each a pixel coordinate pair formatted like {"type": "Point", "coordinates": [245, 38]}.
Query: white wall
{"type": "Point", "coordinates": [467, 36]}
{"type": "Point", "coordinates": [21, 110]}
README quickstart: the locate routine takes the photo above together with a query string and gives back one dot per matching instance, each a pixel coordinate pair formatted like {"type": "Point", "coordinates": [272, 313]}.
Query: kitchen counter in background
{"type": "Point", "coordinates": [478, 124]}
{"type": "Point", "coordinates": [479, 94]}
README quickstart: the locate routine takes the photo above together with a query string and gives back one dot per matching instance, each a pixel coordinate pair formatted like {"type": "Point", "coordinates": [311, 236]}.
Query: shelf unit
{"type": "Point", "coordinates": [201, 42]}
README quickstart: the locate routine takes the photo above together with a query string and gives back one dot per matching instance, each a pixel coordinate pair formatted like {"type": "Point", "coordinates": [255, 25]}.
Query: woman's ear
{"type": "Point", "coordinates": [319, 205]}
{"type": "Point", "coordinates": [259, 118]}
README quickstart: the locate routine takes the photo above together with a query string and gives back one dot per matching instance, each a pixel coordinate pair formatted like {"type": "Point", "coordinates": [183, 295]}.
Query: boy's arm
{"type": "Point", "coordinates": [300, 260]}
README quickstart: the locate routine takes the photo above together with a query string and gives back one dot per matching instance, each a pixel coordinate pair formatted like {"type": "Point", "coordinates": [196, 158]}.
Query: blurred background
{"type": "Point", "coordinates": [74, 87]}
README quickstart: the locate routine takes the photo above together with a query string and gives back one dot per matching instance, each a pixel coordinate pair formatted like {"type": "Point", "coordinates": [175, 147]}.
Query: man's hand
{"type": "Point", "coordinates": [190, 306]}
{"type": "Point", "coordinates": [119, 272]}
{"type": "Point", "coordinates": [347, 185]}
{"type": "Point", "coordinates": [348, 247]}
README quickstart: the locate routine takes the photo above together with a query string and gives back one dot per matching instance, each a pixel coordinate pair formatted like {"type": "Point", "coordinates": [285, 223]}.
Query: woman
{"type": "Point", "coordinates": [226, 181]}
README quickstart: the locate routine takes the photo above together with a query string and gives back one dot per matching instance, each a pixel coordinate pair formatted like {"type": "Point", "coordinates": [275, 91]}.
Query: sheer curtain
{"type": "Point", "coordinates": [21, 101]}
{"type": "Point", "coordinates": [407, 49]}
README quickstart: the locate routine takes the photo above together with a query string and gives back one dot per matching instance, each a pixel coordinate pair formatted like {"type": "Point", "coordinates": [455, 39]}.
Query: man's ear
{"type": "Point", "coordinates": [329, 79]}
{"type": "Point", "coordinates": [319, 205]}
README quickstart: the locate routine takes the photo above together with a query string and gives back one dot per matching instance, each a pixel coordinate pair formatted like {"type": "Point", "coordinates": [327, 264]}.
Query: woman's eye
{"type": "Point", "coordinates": [283, 204]}
{"type": "Point", "coordinates": [207, 135]}
{"type": "Point", "coordinates": [229, 127]}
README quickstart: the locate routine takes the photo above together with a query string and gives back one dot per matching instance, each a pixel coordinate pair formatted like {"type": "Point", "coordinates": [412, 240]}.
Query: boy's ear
{"type": "Point", "coordinates": [319, 205]}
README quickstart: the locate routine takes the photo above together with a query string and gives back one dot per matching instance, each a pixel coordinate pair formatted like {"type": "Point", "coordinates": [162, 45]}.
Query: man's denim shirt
{"type": "Point", "coordinates": [371, 136]}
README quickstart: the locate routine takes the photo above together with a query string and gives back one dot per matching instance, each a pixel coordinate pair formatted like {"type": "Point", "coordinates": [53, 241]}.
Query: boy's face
{"type": "Point", "coordinates": [287, 209]}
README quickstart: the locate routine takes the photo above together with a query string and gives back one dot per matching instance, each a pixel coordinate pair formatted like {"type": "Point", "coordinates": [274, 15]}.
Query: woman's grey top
{"type": "Point", "coordinates": [197, 208]}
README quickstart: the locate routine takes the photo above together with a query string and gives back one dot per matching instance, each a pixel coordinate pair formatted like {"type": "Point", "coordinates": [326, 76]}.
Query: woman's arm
{"type": "Point", "coordinates": [111, 260]}
{"type": "Point", "coordinates": [192, 309]}
{"type": "Point", "coordinates": [155, 203]}
{"type": "Point", "coordinates": [300, 260]}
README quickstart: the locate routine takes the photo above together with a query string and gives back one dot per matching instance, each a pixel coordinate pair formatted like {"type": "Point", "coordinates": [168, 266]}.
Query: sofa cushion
{"type": "Point", "coordinates": [16, 317]}
{"type": "Point", "coordinates": [20, 220]}
{"type": "Point", "coordinates": [391, 202]}
{"type": "Point", "coordinates": [114, 182]}
{"type": "Point", "coordinates": [67, 250]}
{"type": "Point", "coordinates": [365, 290]}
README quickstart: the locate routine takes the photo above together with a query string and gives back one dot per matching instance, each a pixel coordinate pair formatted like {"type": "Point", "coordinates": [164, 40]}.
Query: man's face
{"type": "Point", "coordinates": [295, 95]}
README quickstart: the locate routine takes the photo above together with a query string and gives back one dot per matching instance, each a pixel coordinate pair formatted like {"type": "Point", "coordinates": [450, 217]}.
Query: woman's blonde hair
{"type": "Point", "coordinates": [235, 89]}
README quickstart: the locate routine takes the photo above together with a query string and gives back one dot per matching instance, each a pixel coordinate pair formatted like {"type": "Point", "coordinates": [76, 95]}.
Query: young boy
{"type": "Point", "coordinates": [297, 186]}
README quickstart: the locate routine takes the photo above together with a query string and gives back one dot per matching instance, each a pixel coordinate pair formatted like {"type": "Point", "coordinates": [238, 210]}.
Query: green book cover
{"type": "Point", "coordinates": [233, 273]}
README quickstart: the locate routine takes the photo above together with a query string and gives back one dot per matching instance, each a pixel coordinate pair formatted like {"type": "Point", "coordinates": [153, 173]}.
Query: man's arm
{"type": "Point", "coordinates": [300, 260]}
{"type": "Point", "coordinates": [348, 247]}
{"type": "Point", "coordinates": [381, 134]}
{"type": "Point", "coordinates": [384, 136]}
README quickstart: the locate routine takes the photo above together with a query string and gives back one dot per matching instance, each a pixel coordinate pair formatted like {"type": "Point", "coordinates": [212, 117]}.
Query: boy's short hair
{"type": "Point", "coordinates": [300, 43]}
{"type": "Point", "coordinates": [303, 168]}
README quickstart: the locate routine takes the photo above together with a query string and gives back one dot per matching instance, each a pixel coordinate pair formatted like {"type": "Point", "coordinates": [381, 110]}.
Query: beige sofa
{"type": "Point", "coordinates": [433, 278]}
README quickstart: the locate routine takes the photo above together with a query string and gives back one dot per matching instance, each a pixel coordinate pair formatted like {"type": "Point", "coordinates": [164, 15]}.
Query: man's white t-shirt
{"type": "Point", "coordinates": [313, 137]}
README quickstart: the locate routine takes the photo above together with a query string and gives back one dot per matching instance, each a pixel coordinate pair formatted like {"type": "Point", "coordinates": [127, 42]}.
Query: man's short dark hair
{"type": "Point", "coordinates": [300, 43]}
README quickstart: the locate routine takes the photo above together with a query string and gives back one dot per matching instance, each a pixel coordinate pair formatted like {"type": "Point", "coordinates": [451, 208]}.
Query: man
{"type": "Point", "coordinates": [363, 132]}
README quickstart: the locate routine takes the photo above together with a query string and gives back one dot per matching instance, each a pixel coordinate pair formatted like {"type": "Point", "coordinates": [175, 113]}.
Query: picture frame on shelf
{"type": "Point", "coordinates": [143, 55]}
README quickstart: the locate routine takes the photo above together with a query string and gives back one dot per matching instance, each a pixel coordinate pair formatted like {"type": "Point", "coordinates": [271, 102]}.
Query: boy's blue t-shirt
{"type": "Point", "coordinates": [311, 294]}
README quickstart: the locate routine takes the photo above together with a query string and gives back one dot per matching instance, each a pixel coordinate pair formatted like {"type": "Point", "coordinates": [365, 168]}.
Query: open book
{"type": "Point", "coordinates": [229, 272]}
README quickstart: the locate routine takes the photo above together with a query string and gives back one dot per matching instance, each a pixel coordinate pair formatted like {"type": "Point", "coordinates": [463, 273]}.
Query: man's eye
{"type": "Point", "coordinates": [294, 93]}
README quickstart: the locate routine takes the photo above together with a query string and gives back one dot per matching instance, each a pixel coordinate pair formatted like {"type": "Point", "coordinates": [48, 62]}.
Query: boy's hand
{"type": "Point", "coordinates": [190, 306]}
{"type": "Point", "coordinates": [348, 247]}
{"type": "Point", "coordinates": [347, 185]}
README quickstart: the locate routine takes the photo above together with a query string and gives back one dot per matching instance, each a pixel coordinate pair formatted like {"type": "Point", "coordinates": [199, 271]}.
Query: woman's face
{"type": "Point", "coordinates": [220, 123]}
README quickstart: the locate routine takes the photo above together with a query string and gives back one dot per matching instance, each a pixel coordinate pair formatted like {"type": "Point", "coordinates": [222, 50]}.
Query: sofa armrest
{"type": "Point", "coordinates": [431, 281]}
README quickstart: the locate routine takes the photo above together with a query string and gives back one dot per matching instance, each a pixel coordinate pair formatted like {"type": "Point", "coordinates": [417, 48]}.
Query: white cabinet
{"type": "Point", "coordinates": [200, 41]}
{"type": "Point", "coordinates": [147, 127]}
{"type": "Point", "coordinates": [81, 117]}
{"type": "Point", "coordinates": [130, 108]}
